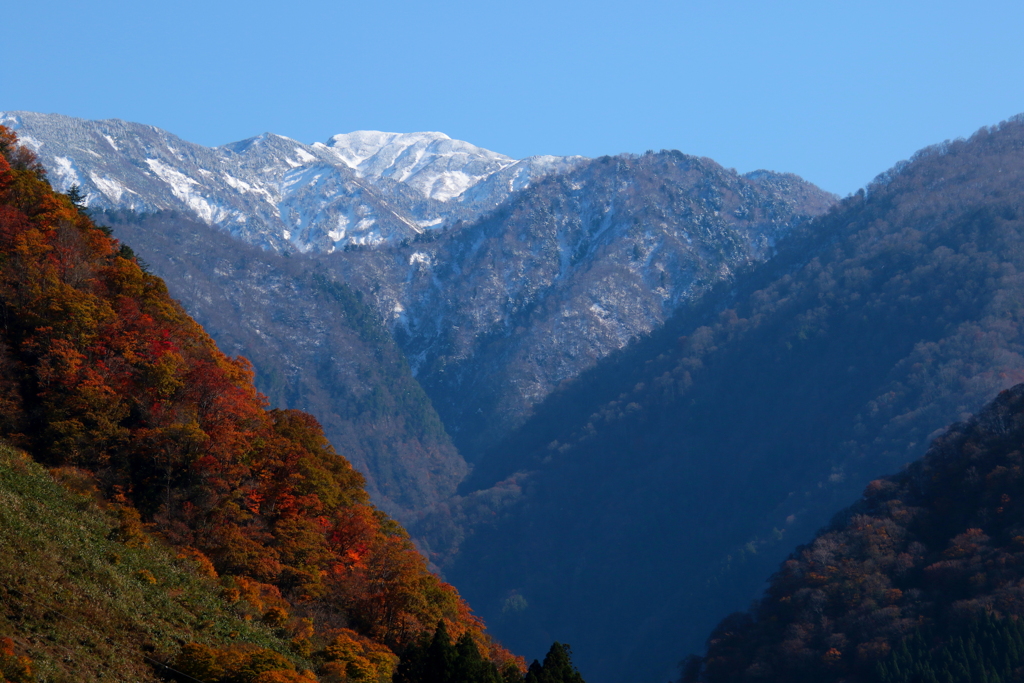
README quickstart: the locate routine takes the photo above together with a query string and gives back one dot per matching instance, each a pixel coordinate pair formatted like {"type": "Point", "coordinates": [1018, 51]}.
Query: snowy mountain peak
{"type": "Point", "coordinates": [363, 188]}
{"type": "Point", "coordinates": [433, 163]}
{"type": "Point", "coordinates": [358, 146]}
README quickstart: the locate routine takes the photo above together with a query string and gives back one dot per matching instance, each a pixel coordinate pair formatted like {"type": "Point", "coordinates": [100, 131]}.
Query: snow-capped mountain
{"type": "Point", "coordinates": [361, 188]}
{"type": "Point", "coordinates": [437, 166]}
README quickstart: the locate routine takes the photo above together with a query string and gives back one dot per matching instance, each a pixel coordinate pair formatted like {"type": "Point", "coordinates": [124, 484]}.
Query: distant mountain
{"type": "Point", "coordinates": [921, 580]}
{"type": "Point", "coordinates": [438, 167]}
{"type": "Point", "coordinates": [360, 188]}
{"type": "Point", "coordinates": [495, 314]}
{"type": "Point", "coordinates": [654, 493]}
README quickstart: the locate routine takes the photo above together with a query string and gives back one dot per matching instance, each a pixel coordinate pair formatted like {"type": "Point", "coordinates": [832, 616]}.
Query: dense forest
{"type": "Point", "coordinates": [693, 461]}
{"type": "Point", "coordinates": [922, 580]}
{"type": "Point", "coordinates": [109, 384]}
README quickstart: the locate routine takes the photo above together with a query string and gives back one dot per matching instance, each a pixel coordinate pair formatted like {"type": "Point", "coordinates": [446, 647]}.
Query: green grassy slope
{"type": "Point", "coordinates": [85, 606]}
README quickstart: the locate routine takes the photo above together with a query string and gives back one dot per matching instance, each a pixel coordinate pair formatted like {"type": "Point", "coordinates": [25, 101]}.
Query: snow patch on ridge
{"type": "Point", "coordinates": [182, 188]}
{"type": "Point", "coordinates": [65, 172]}
{"type": "Point", "coordinates": [30, 142]}
{"type": "Point", "coordinates": [338, 233]}
{"type": "Point", "coordinates": [356, 147]}
{"type": "Point", "coordinates": [451, 184]}
{"type": "Point", "coordinates": [242, 186]}
{"type": "Point", "coordinates": [113, 189]}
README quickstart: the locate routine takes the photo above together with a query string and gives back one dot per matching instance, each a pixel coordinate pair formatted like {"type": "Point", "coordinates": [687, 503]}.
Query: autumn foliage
{"type": "Point", "coordinates": [14, 668]}
{"type": "Point", "coordinates": [922, 580]}
{"type": "Point", "coordinates": [102, 372]}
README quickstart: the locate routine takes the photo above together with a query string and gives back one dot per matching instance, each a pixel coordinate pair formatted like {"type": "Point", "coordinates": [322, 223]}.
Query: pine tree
{"type": "Point", "coordinates": [76, 197]}
{"type": "Point", "coordinates": [557, 667]}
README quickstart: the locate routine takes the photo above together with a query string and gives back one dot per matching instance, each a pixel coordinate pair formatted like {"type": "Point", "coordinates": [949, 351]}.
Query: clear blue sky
{"type": "Point", "coordinates": [834, 91]}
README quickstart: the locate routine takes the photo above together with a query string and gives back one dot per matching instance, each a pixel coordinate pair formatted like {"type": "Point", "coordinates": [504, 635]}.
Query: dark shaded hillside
{"type": "Point", "coordinates": [927, 559]}
{"type": "Point", "coordinates": [495, 313]}
{"type": "Point", "coordinates": [314, 346]}
{"type": "Point", "coordinates": [659, 489]}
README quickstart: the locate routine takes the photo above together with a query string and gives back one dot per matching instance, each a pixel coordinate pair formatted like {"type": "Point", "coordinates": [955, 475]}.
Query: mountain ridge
{"type": "Point", "coordinates": [566, 271]}
{"type": "Point", "coordinates": [745, 422]}
{"type": "Point", "coordinates": [922, 557]}
{"type": "Point", "coordinates": [276, 192]}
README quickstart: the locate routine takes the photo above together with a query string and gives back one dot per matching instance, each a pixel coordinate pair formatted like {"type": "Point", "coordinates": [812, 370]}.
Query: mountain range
{"type": "Point", "coordinates": [365, 187]}
{"type": "Point", "coordinates": [694, 460]}
{"type": "Point", "coordinates": [491, 313]}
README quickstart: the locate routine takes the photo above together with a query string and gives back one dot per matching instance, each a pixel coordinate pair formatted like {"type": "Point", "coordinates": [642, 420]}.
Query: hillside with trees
{"type": "Point", "coordinates": [105, 378]}
{"type": "Point", "coordinates": [495, 313]}
{"type": "Point", "coordinates": [88, 593]}
{"type": "Point", "coordinates": [921, 580]}
{"type": "Point", "coordinates": [315, 344]}
{"type": "Point", "coordinates": [694, 460]}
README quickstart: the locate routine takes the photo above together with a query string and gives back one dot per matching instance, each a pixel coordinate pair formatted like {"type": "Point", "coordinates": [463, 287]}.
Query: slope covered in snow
{"type": "Point", "coordinates": [364, 188]}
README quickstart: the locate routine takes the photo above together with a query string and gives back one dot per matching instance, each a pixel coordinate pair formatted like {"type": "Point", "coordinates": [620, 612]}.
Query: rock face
{"type": "Point", "coordinates": [365, 187]}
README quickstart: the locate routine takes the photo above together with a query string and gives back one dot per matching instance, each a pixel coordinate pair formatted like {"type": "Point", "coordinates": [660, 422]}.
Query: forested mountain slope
{"type": "Point", "coordinates": [921, 580]}
{"type": "Point", "coordinates": [493, 315]}
{"type": "Point", "coordinates": [656, 492]}
{"type": "Point", "coordinates": [88, 595]}
{"type": "Point", "coordinates": [103, 373]}
{"type": "Point", "coordinates": [315, 345]}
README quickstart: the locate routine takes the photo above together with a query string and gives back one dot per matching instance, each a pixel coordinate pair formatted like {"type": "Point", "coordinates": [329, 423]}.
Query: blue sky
{"type": "Point", "coordinates": [834, 91]}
